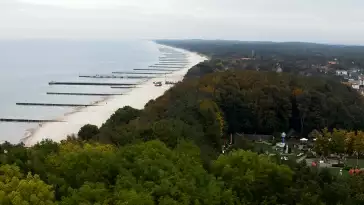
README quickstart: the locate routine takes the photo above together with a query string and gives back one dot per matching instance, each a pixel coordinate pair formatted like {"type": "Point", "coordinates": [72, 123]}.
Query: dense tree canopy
{"type": "Point", "coordinates": [221, 104]}
{"type": "Point", "coordinates": [170, 152]}
{"type": "Point", "coordinates": [294, 56]}
{"type": "Point", "coordinates": [17, 189]}
{"type": "Point", "coordinates": [87, 131]}
{"type": "Point", "coordinates": [151, 173]}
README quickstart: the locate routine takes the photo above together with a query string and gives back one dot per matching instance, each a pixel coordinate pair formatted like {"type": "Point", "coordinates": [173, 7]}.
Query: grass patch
{"type": "Point", "coordinates": [336, 172]}
{"type": "Point", "coordinates": [352, 162]}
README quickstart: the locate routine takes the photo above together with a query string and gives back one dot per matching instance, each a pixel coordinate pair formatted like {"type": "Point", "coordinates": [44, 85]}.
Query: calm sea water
{"type": "Point", "coordinates": [27, 67]}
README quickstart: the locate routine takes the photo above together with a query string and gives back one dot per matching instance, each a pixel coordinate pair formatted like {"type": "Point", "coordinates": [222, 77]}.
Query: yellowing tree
{"type": "Point", "coordinates": [213, 121]}
{"type": "Point", "coordinates": [322, 143]}
{"type": "Point", "coordinates": [358, 144]}
{"type": "Point", "coordinates": [337, 143]}
{"type": "Point", "coordinates": [16, 190]}
{"type": "Point", "coordinates": [349, 143]}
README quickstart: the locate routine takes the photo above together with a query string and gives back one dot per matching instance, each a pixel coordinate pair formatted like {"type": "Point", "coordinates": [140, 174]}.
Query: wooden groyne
{"type": "Point", "coordinates": [55, 105]}
{"type": "Point", "coordinates": [27, 120]}
{"type": "Point", "coordinates": [91, 83]}
{"type": "Point", "coordinates": [174, 55]}
{"type": "Point", "coordinates": [171, 64]}
{"type": "Point", "coordinates": [142, 73]}
{"type": "Point", "coordinates": [123, 87]}
{"type": "Point", "coordinates": [165, 66]}
{"type": "Point", "coordinates": [86, 94]}
{"type": "Point", "coordinates": [114, 76]}
{"type": "Point", "coordinates": [172, 61]}
{"type": "Point", "coordinates": [156, 69]}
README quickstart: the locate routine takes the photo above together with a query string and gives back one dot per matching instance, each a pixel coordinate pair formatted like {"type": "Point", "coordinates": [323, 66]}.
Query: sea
{"type": "Point", "coordinates": [27, 67]}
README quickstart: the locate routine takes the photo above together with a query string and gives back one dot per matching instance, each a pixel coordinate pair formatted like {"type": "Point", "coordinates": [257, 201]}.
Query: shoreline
{"type": "Point", "coordinates": [136, 98]}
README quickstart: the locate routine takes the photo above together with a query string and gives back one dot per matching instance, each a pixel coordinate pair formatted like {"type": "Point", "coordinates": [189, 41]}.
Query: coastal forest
{"type": "Point", "coordinates": [293, 57]}
{"type": "Point", "coordinates": [184, 147]}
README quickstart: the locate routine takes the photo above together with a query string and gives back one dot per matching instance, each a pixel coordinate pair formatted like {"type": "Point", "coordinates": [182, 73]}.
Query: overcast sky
{"type": "Point", "coordinates": [330, 21]}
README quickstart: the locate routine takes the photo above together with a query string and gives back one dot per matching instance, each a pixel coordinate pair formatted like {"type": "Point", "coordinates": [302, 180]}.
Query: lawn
{"type": "Point", "coordinates": [349, 162]}
{"type": "Point", "coordinates": [335, 171]}
{"type": "Point", "coordinates": [352, 163]}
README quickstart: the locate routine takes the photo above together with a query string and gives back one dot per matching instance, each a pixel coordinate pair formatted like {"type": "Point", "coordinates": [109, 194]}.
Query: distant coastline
{"type": "Point", "coordinates": [137, 98]}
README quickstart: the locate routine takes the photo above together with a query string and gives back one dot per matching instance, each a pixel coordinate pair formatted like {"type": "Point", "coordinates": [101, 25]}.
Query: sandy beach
{"type": "Point", "coordinates": [97, 115]}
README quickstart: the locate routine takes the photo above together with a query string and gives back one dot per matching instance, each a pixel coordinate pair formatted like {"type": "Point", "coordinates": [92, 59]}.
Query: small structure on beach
{"type": "Point", "coordinates": [157, 84]}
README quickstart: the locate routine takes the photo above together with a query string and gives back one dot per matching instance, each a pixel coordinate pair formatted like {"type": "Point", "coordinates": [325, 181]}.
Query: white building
{"type": "Point", "coordinates": [355, 86]}
{"type": "Point", "coordinates": [361, 80]}
{"type": "Point", "coordinates": [342, 72]}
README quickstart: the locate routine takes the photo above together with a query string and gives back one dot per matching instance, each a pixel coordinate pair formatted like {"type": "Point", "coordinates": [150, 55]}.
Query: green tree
{"type": "Point", "coordinates": [169, 176]}
{"type": "Point", "coordinates": [213, 122]}
{"type": "Point", "coordinates": [171, 131]}
{"type": "Point", "coordinates": [322, 143]}
{"type": "Point", "coordinates": [337, 143]}
{"type": "Point", "coordinates": [358, 145]}
{"type": "Point", "coordinates": [122, 116]}
{"type": "Point", "coordinates": [88, 194]}
{"type": "Point", "coordinates": [253, 178]}
{"type": "Point", "coordinates": [77, 163]}
{"type": "Point", "coordinates": [131, 197]}
{"type": "Point", "coordinates": [88, 131]}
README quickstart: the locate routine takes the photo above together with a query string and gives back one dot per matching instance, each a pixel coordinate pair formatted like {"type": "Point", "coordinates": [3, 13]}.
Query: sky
{"type": "Point", "coordinates": [322, 21]}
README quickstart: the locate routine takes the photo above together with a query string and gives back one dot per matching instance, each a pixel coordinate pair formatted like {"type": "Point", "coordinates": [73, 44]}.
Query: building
{"type": "Point", "coordinates": [356, 86]}
{"type": "Point", "coordinates": [278, 68]}
{"type": "Point", "coordinates": [341, 72]}
{"type": "Point", "coordinates": [361, 80]}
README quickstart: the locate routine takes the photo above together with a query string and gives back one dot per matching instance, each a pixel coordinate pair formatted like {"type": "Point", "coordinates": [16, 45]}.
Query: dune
{"type": "Point", "coordinates": [136, 98]}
